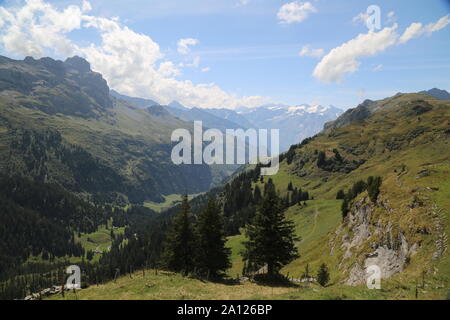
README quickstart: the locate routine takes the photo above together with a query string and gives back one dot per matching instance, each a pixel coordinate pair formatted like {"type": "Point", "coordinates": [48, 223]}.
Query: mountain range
{"type": "Point", "coordinates": [294, 122]}
{"type": "Point", "coordinates": [79, 164]}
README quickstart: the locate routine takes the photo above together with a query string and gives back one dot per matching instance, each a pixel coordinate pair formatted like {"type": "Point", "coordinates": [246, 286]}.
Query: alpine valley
{"type": "Point", "coordinates": [86, 178]}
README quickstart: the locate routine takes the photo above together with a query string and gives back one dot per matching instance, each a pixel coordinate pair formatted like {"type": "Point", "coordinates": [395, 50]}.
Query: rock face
{"type": "Point", "coordinates": [389, 253]}
{"type": "Point", "coordinates": [53, 86]}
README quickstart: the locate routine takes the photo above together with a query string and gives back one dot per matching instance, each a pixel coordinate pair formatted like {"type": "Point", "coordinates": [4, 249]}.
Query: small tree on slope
{"type": "Point", "coordinates": [179, 245]}
{"type": "Point", "coordinates": [271, 236]}
{"type": "Point", "coordinates": [212, 257]}
{"type": "Point", "coordinates": [323, 275]}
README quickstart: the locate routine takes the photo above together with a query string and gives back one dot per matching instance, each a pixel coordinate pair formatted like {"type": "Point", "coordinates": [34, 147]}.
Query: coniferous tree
{"type": "Point", "coordinates": [340, 195]}
{"type": "Point", "coordinates": [271, 236]}
{"type": "Point", "coordinates": [323, 276]}
{"type": "Point", "coordinates": [290, 187]}
{"type": "Point", "coordinates": [212, 257]}
{"type": "Point", "coordinates": [179, 246]}
{"type": "Point", "coordinates": [257, 194]}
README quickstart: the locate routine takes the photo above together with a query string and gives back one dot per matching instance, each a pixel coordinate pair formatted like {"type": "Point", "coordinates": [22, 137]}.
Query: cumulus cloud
{"type": "Point", "coordinates": [295, 12]}
{"type": "Point", "coordinates": [131, 62]}
{"type": "Point", "coordinates": [37, 25]}
{"type": "Point", "coordinates": [309, 52]}
{"type": "Point", "coordinates": [344, 59]}
{"type": "Point", "coordinates": [184, 44]}
{"type": "Point", "coordinates": [417, 29]}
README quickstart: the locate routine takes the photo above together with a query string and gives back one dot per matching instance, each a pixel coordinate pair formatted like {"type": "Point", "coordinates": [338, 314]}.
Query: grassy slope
{"type": "Point", "coordinates": [170, 201]}
{"type": "Point", "coordinates": [316, 223]}
{"type": "Point", "coordinates": [169, 286]}
{"type": "Point", "coordinates": [428, 151]}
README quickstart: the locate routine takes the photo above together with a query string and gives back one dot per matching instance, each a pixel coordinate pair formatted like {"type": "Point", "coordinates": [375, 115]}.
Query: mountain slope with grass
{"type": "Point", "coordinates": [59, 124]}
{"type": "Point", "coordinates": [399, 224]}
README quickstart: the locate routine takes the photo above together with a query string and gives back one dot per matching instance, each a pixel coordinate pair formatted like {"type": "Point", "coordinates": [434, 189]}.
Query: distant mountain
{"type": "Point", "coordinates": [438, 93]}
{"type": "Point", "coordinates": [177, 105]}
{"type": "Point", "coordinates": [137, 101]}
{"type": "Point", "coordinates": [59, 124]}
{"type": "Point", "coordinates": [231, 115]}
{"type": "Point", "coordinates": [196, 114]}
{"type": "Point", "coordinates": [294, 122]}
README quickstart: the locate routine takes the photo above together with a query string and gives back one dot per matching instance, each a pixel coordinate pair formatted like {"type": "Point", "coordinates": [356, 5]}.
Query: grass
{"type": "Point", "coordinates": [100, 240]}
{"type": "Point", "coordinates": [171, 286]}
{"type": "Point", "coordinates": [170, 201]}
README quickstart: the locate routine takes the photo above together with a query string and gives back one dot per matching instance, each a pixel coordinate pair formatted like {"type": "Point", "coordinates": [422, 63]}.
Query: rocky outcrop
{"type": "Point", "coordinates": [389, 252]}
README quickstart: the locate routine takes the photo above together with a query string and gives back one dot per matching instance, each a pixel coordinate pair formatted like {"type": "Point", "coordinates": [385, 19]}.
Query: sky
{"type": "Point", "coordinates": [232, 53]}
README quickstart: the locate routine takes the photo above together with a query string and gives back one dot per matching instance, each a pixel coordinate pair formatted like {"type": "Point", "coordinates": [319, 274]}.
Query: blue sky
{"type": "Point", "coordinates": [241, 52]}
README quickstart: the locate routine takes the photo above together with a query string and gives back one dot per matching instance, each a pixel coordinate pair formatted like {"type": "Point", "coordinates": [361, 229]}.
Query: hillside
{"type": "Point", "coordinates": [404, 230]}
{"type": "Point", "coordinates": [165, 285]}
{"type": "Point", "coordinates": [404, 140]}
{"type": "Point", "coordinates": [59, 124]}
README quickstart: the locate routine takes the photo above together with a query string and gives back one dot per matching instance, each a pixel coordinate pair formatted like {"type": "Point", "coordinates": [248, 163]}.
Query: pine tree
{"type": "Point", "coordinates": [271, 236]}
{"type": "Point", "coordinates": [290, 187]}
{"type": "Point", "coordinates": [179, 245]}
{"type": "Point", "coordinates": [257, 194]}
{"type": "Point", "coordinates": [340, 195]}
{"type": "Point", "coordinates": [323, 275]}
{"type": "Point", "coordinates": [212, 257]}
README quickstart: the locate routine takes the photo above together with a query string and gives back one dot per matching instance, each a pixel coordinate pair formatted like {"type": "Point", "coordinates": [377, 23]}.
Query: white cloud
{"type": "Point", "coordinates": [295, 11]}
{"type": "Point", "coordinates": [37, 25]}
{"type": "Point", "coordinates": [131, 62]}
{"type": "Point", "coordinates": [309, 52]}
{"type": "Point", "coordinates": [413, 31]}
{"type": "Point", "coordinates": [184, 44]}
{"type": "Point", "coordinates": [167, 69]}
{"type": "Point", "coordinates": [360, 18]}
{"type": "Point", "coordinates": [417, 29]}
{"type": "Point", "coordinates": [345, 58]}
{"type": "Point", "coordinates": [205, 69]}
{"type": "Point", "coordinates": [86, 6]}
{"type": "Point", "coordinates": [390, 17]}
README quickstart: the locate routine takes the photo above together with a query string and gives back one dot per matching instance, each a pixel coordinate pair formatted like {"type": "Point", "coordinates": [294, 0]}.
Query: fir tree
{"type": "Point", "coordinates": [323, 275]}
{"type": "Point", "coordinates": [290, 187]}
{"type": "Point", "coordinates": [179, 246]}
{"type": "Point", "coordinates": [340, 195]}
{"type": "Point", "coordinates": [271, 236]}
{"type": "Point", "coordinates": [212, 256]}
